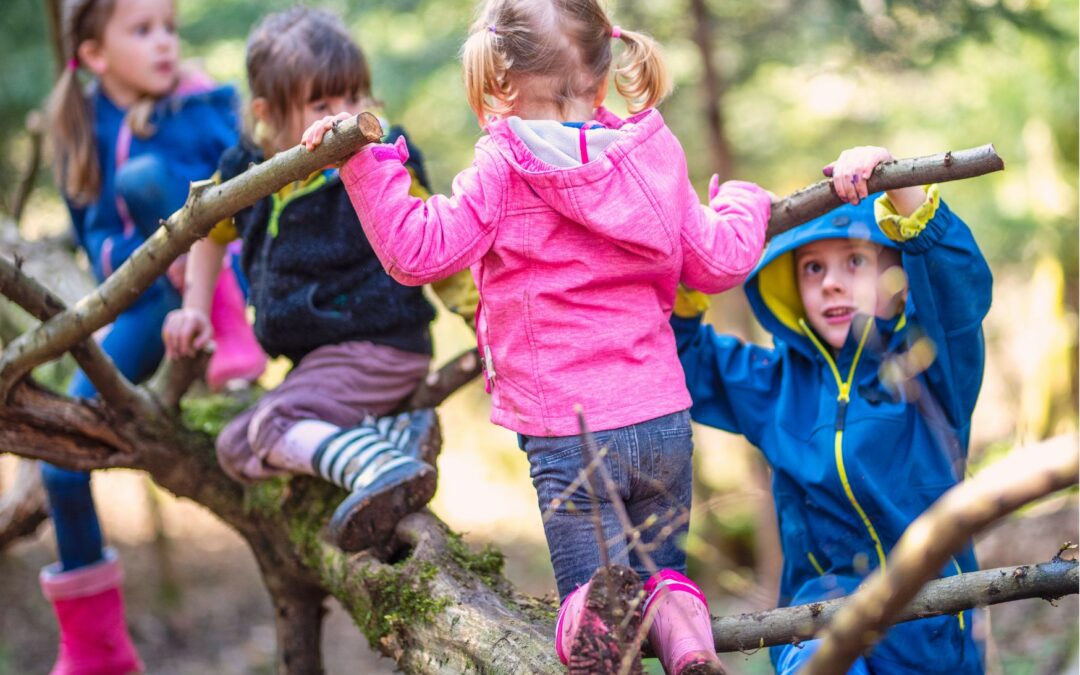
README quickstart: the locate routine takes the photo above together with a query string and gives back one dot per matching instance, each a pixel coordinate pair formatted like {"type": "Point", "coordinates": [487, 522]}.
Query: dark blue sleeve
{"type": "Point", "coordinates": [950, 292]}
{"type": "Point", "coordinates": [733, 384]}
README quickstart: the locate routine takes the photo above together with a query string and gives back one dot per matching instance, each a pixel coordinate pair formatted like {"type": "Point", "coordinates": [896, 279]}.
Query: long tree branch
{"type": "Point", "coordinates": [1027, 474]}
{"type": "Point", "coordinates": [1049, 580]}
{"type": "Point", "coordinates": [39, 302]}
{"type": "Point", "coordinates": [206, 205]}
{"type": "Point", "coordinates": [819, 198]}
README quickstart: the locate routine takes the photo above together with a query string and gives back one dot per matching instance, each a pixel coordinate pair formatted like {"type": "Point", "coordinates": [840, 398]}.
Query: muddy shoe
{"type": "Point", "coordinates": [605, 625]}
{"type": "Point", "coordinates": [415, 433]}
{"type": "Point", "coordinates": [385, 485]}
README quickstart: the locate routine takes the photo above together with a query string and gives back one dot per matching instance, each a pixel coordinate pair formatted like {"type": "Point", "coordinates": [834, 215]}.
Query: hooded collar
{"type": "Point", "coordinates": [772, 290]}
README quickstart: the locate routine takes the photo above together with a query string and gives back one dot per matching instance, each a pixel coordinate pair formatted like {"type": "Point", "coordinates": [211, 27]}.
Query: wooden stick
{"type": "Point", "coordinates": [819, 198]}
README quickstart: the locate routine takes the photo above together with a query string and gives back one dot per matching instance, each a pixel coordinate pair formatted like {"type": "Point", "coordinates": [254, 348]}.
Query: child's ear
{"type": "Point", "coordinates": [260, 109]}
{"type": "Point", "coordinates": [92, 57]}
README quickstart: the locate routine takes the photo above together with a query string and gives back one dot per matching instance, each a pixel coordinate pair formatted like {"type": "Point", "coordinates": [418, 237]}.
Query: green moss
{"type": "Point", "coordinates": [487, 563]}
{"type": "Point", "coordinates": [211, 413]}
{"type": "Point", "coordinates": [266, 497]}
{"type": "Point", "coordinates": [400, 596]}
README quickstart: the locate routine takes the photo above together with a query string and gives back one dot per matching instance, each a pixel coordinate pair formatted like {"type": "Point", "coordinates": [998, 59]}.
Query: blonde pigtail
{"type": "Point", "coordinates": [71, 120]}
{"type": "Point", "coordinates": [486, 85]}
{"type": "Point", "coordinates": [641, 76]}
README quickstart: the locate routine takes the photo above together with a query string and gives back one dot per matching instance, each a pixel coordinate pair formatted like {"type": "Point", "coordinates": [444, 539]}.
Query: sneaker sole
{"type": "Point", "coordinates": [362, 520]}
{"type": "Point", "coordinates": [604, 633]}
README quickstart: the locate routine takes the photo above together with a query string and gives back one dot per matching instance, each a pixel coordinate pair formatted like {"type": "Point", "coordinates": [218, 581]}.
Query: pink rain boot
{"type": "Point", "coordinates": [89, 607]}
{"type": "Point", "coordinates": [681, 630]}
{"type": "Point", "coordinates": [238, 355]}
{"type": "Point", "coordinates": [597, 620]}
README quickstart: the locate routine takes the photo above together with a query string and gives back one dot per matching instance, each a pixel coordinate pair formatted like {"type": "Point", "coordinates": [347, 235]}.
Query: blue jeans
{"type": "Point", "coordinates": [133, 343]}
{"type": "Point", "coordinates": [650, 465]}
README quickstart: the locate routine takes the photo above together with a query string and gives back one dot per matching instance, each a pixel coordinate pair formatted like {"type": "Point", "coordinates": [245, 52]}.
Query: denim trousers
{"type": "Point", "coordinates": [650, 467]}
{"type": "Point", "coordinates": [134, 344]}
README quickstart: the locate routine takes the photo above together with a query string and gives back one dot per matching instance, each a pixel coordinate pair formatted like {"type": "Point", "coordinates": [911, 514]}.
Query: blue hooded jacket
{"type": "Point", "coordinates": [191, 133]}
{"type": "Point", "coordinates": [854, 459]}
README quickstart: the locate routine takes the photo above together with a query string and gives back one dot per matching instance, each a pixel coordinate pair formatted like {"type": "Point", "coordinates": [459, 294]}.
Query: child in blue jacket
{"type": "Point", "coordinates": [856, 455]}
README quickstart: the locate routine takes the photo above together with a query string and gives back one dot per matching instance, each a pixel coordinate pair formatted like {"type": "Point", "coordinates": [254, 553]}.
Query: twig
{"type": "Point", "coordinates": [1027, 474]}
{"type": "Point", "coordinates": [590, 485]}
{"type": "Point", "coordinates": [440, 384]}
{"type": "Point", "coordinates": [112, 386]}
{"type": "Point", "coordinates": [947, 596]}
{"type": "Point", "coordinates": [819, 198]}
{"type": "Point", "coordinates": [207, 204]}
{"type": "Point", "coordinates": [35, 127]}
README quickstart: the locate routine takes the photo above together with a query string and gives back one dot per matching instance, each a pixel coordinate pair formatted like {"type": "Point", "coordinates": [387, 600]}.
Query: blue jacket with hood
{"type": "Point", "coordinates": [855, 460]}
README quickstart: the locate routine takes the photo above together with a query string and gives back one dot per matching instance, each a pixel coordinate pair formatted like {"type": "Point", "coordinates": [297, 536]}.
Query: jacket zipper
{"type": "Point", "coordinates": [842, 400]}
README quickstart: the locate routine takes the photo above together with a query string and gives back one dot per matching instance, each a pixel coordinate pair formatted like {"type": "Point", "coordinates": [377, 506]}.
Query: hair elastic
{"type": "Point", "coordinates": [491, 27]}
{"type": "Point", "coordinates": [73, 64]}
{"type": "Point", "coordinates": [616, 32]}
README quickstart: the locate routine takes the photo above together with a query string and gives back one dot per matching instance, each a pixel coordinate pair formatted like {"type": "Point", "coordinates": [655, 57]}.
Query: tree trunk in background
{"type": "Point", "coordinates": [55, 16]}
{"type": "Point", "coordinates": [713, 91]}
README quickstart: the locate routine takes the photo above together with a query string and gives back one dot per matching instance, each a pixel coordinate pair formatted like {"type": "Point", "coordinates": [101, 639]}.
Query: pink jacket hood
{"type": "Point", "coordinates": [576, 262]}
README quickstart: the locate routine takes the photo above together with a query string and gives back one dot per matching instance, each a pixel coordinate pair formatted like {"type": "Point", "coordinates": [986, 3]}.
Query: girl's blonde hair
{"type": "Point", "coordinates": [564, 43]}
{"type": "Point", "coordinates": [302, 55]}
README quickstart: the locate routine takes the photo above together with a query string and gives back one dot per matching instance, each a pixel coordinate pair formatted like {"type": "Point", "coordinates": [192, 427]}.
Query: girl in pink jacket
{"type": "Point", "coordinates": [578, 227]}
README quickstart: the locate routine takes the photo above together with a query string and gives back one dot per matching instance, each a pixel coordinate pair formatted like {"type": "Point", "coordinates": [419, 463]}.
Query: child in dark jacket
{"type": "Point", "coordinates": [359, 340]}
{"type": "Point", "coordinates": [857, 451]}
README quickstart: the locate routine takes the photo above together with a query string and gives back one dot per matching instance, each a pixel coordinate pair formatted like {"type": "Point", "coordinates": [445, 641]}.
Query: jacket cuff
{"type": "Point", "coordinates": [369, 158]}
{"type": "Point", "coordinates": [690, 303]}
{"type": "Point", "coordinates": [906, 228]}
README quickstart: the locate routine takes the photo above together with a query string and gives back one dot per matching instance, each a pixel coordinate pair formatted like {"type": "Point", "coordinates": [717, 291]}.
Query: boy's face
{"type": "Point", "coordinates": [838, 278]}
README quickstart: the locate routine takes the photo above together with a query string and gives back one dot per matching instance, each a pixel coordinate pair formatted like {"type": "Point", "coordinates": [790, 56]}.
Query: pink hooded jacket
{"type": "Point", "coordinates": [577, 241]}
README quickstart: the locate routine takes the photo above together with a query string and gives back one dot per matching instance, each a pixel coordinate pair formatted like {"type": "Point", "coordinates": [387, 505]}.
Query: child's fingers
{"type": "Point", "coordinates": [827, 170]}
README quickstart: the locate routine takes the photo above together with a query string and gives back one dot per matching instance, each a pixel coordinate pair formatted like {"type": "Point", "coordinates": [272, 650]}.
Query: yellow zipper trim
{"type": "Point", "coordinates": [844, 388]}
{"type": "Point", "coordinates": [959, 615]}
{"type": "Point", "coordinates": [815, 563]}
{"type": "Point", "coordinates": [279, 203]}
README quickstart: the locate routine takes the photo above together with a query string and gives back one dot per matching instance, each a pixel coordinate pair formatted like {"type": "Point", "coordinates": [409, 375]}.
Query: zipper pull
{"type": "Point", "coordinates": [841, 412]}
{"type": "Point", "coordinates": [841, 406]}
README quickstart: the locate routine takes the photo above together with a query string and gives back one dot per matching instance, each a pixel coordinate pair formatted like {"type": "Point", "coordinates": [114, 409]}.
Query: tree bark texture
{"type": "Point", "coordinates": [1049, 580]}
{"type": "Point", "coordinates": [1027, 474]}
{"type": "Point", "coordinates": [819, 198]}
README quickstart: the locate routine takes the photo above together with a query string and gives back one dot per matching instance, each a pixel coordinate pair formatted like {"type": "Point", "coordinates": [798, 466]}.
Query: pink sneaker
{"type": "Point", "coordinates": [681, 630]}
{"type": "Point", "coordinates": [238, 355]}
{"type": "Point", "coordinates": [598, 620]}
{"type": "Point", "coordinates": [89, 607]}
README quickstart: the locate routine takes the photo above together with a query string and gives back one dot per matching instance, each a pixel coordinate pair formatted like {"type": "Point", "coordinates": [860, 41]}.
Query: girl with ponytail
{"type": "Point", "coordinates": [126, 147]}
{"type": "Point", "coordinates": [578, 227]}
